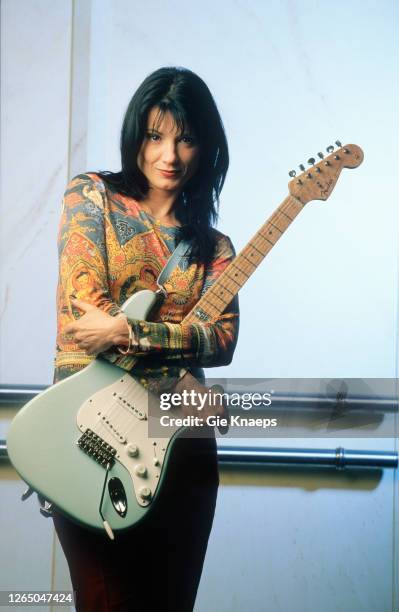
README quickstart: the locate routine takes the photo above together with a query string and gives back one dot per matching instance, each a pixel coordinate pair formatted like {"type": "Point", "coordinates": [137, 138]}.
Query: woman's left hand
{"type": "Point", "coordinates": [96, 330]}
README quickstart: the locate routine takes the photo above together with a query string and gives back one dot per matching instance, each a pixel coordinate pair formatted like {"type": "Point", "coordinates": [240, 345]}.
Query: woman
{"type": "Point", "coordinates": [117, 232]}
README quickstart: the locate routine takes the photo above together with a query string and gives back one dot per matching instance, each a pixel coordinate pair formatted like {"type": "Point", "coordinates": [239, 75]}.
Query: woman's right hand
{"type": "Point", "coordinates": [96, 331]}
{"type": "Point", "coordinates": [214, 406]}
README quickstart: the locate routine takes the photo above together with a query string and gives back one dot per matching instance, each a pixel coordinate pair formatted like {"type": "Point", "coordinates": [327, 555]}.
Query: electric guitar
{"type": "Point", "coordinates": [83, 443]}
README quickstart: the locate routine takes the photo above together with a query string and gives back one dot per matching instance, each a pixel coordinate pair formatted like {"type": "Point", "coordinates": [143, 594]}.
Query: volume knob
{"type": "Point", "coordinates": [140, 470]}
{"type": "Point", "coordinates": [132, 450]}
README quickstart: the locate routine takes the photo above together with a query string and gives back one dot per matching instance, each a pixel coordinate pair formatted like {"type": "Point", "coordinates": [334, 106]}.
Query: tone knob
{"type": "Point", "coordinates": [145, 493]}
{"type": "Point", "coordinates": [132, 450]}
{"type": "Point", "coordinates": [140, 470]}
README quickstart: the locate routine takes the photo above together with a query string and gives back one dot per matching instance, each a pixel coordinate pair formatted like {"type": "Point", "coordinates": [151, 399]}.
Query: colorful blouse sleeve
{"type": "Point", "coordinates": [82, 269]}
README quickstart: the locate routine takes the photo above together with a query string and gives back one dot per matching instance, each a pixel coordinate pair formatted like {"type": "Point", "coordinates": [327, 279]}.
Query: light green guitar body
{"type": "Point", "coordinates": [42, 441]}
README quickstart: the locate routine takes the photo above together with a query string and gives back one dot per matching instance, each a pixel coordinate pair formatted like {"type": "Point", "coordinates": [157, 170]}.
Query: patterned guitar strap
{"type": "Point", "coordinates": [178, 255]}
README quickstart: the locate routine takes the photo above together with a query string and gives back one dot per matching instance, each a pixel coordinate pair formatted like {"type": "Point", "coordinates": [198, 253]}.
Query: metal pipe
{"type": "Point", "coordinates": [338, 458]}
{"type": "Point", "coordinates": [21, 394]}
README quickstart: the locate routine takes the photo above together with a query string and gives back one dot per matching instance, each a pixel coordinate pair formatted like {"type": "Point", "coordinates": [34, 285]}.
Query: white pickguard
{"type": "Point", "coordinates": [118, 414]}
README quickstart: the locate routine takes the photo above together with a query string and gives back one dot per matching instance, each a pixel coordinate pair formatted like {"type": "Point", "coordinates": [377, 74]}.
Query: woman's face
{"type": "Point", "coordinates": [167, 157]}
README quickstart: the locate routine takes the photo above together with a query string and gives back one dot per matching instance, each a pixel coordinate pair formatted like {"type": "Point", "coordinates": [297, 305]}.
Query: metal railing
{"type": "Point", "coordinates": [338, 458]}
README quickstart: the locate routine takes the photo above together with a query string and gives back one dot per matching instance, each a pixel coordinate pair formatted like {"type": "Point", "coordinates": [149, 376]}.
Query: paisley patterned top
{"type": "Point", "coordinates": [109, 248]}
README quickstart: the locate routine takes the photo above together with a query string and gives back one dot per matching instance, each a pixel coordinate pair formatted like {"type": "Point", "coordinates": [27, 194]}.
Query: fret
{"type": "Point", "coordinates": [219, 297]}
{"type": "Point", "coordinates": [261, 235]}
{"type": "Point", "coordinates": [281, 222]}
{"type": "Point", "coordinates": [225, 288]}
{"type": "Point", "coordinates": [239, 285]}
{"type": "Point", "coordinates": [234, 265]}
{"type": "Point", "coordinates": [284, 213]}
{"type": "Point", "coordinates": [254, 247]}
{"type": "Point", "coordinates": [275, 226]}
{"type": "Point", "coordinates": [254, 258]}
{"type": "Point", "coordinates": [291, 211]}
{"type": "Point", "coordinates": [265, 249]}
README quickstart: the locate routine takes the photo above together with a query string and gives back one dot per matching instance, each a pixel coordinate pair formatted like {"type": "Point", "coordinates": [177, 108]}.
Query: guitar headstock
{"type": "Point", "coordinates": [319, 180]}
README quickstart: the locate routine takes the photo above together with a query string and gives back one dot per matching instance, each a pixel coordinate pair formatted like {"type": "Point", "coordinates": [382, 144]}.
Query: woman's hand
{"type": "Point", "coordinates": [96, 330]}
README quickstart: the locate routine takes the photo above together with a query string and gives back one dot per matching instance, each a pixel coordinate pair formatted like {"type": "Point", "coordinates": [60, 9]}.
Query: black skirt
{"type": "Point", "coordinates": [157, 564]}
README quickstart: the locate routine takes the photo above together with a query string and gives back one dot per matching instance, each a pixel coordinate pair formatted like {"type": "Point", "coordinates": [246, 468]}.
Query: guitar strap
{"type": "Point", "coordinates": [178, 255]}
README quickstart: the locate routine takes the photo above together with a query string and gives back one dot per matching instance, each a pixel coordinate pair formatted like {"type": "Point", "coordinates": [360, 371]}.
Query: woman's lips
{"type": "Point", "coordinates": [169, 173]}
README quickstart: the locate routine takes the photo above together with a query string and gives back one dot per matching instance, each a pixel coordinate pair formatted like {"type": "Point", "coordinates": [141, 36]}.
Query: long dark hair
{"type": "Point", "coordinates": [184, 94]}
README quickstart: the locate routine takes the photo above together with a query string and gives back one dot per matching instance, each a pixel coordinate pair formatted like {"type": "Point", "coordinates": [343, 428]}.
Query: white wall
{"type": "Point", "coordinates": [35, 133]}
{"type": "Point", "coordinates": [289, 78]}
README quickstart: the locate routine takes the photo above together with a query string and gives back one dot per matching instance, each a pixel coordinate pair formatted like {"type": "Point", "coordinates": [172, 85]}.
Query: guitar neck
{"type": "Point", "coordinates": [219, 296]}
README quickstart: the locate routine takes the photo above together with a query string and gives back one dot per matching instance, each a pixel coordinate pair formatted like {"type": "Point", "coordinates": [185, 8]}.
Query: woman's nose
{"type": "Point", "coordinates": [169, 152]}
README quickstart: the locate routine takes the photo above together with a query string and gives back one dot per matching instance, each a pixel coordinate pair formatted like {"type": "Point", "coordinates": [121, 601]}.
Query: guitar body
{"type": "Point", "coordinates": [42, 442]}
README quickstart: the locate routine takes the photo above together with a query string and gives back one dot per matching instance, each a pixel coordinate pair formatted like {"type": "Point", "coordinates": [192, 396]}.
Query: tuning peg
{"type": "Point", "coordinates": [320, 154]}
{"type": "Point", "coordinates": [311, 161]}
{"type": "Point", "coordinates": [292, 173]}
{"type": "Point", "coordinates": [337, 142]}
{"type": "Point", "coordinates": [330, 149]}
{"type": "Point", "coordinates": [302, 167]}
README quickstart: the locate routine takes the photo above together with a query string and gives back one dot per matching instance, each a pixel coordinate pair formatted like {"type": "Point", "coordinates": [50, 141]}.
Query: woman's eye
{"type": "Point", "coordinates": [188, 139]}
{"type": "Point", "coordinates": [153, 136]}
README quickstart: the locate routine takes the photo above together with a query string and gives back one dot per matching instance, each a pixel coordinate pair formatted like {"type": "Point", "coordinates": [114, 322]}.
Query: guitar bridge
{"type": "Point", "coordinates": [96, 448]}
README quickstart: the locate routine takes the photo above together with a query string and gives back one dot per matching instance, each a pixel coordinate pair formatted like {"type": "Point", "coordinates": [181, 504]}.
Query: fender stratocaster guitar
{"type": "Point", "coordinates": [83, 443]}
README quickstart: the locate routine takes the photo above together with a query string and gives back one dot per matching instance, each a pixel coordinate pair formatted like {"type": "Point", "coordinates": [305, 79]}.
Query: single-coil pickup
{"type": "Point", "coordinates": [107, 423]}
{"type": "Point", "coordinates": [140, 414]}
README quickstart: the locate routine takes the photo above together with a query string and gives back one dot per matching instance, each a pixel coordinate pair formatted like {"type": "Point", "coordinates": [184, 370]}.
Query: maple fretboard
{"type": "Point", "coordinates": [219, 296]}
